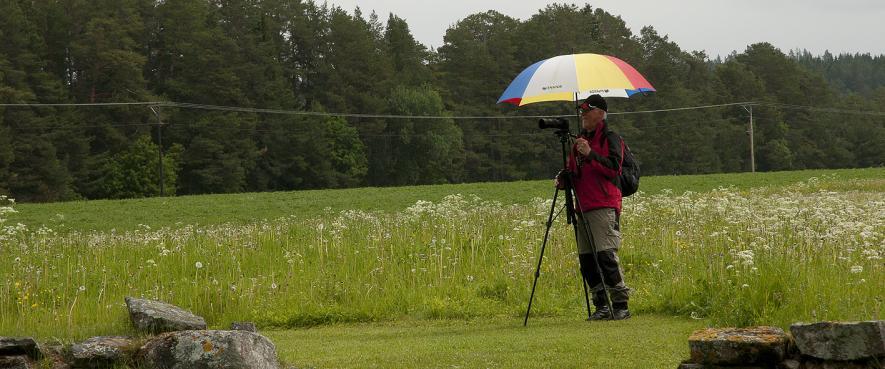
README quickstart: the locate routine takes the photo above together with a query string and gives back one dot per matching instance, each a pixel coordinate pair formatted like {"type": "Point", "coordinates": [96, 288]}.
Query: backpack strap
{"type": "Point", "coordinates": [613, 136]}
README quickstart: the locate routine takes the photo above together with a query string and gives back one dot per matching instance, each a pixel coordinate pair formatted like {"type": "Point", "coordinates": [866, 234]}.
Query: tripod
{"type": "Point", "coordinates": [572, 203]}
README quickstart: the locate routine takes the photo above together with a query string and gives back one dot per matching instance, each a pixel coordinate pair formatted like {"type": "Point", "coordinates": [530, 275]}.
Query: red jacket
{"type": "Point", "coordinates": [595, 176]}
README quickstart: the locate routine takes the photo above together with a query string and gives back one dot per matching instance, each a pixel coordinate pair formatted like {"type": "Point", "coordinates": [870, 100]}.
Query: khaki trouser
{"type": "Point", "coordinates": [604, 226]}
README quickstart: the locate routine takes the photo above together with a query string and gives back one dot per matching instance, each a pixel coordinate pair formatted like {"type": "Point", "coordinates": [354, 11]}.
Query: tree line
{"type": "Point", "coordinates": [304, 56]}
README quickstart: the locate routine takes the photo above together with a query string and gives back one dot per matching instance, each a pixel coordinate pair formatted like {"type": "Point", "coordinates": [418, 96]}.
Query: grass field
{"type": "Point", "coordinates": [125, 215]}
{"type": "Point", "coordinates": [726, 250]}
{"type": "Point", "coordinates": [642, 342]}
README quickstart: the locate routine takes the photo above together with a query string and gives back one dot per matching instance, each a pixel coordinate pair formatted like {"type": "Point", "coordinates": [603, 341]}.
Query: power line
{"type": "Point", "coordinates": [110, 125]}
{"type": "Point", "coordinates": [419, 117]}
{"type": "Point", "coordinates": [686, 108]}
{"type": "Point", "coordinates": [40, 105]}
{"type": "Point", "coordinates": [345, 115]}
{"type": "Point", "coordinates": [825, 110]}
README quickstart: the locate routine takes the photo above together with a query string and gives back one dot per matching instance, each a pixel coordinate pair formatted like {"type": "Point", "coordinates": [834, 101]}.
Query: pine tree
{"type": "Point", "coordinates": [35, 172]}
{"type": "Point", "coordinates": [197, 62]}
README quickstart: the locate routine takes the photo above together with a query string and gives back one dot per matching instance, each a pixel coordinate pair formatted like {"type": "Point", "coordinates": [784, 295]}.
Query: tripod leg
{"type": "Point", "coordinates": [541, 257]}
{"type": "Point", "coordinates": [584, 277]}
{"type": "Point", "coordinates": [586, 295]}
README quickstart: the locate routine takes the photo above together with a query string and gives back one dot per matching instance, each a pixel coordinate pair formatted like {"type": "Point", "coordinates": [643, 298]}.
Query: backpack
{"type": "Point", "coordinates": [628, 180]}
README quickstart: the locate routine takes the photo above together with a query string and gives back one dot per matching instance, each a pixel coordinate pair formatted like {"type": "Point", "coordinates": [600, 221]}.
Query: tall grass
{"type": "Point", "coordinates": [774, 255]}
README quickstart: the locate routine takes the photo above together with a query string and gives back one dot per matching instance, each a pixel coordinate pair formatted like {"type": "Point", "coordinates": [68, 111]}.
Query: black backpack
{"type": "Point", "coordinates": [628, 180]}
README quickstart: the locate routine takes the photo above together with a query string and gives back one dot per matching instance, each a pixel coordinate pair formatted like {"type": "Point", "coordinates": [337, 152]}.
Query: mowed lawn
{"type": "Point", "coordinates": [645, 341]}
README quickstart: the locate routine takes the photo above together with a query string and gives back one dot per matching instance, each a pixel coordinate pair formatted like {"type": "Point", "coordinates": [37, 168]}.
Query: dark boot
{"type": "Point", "coordinates": [621, 312]}
{"type": "Point", "coordinates": [602, 313]}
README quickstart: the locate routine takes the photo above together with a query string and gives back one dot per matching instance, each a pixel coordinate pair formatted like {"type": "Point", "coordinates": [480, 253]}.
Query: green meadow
{"type": "Point", "coordinates": [721, 250]}
{"type": "Point", "coordinates": [175, 212]}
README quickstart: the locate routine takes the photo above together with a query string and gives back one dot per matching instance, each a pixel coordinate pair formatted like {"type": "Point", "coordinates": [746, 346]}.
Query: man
{"type": "Point", "coordinates": [594, 164]}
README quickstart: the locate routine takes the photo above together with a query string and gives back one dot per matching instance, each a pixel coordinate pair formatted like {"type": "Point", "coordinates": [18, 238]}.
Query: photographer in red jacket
{"type": "Point", "coordinates": [595, 162]}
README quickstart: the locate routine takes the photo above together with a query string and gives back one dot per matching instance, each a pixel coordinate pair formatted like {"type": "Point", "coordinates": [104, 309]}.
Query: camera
{"type": "Point", "coordinates": [556, 123]}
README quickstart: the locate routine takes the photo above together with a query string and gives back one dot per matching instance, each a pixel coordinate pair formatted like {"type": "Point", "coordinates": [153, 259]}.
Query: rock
{"type": "Point", "coordinates": [243, 326]}
{"type": "Point", "coordinates": [157, 317]}
{"type": "Point", "coordinates": [209, 349]}
{"type": "Point", "coordinates": [10, 346]}
{"type": "Point", "coordinates": [713, 366]}
{"type": "Point", "coordinates": [791, 364]}
{"type": "Point", "coordinates": [840, 340]}
{"type": "Point", "coordinates": [825, 364]}
{"type": "Point", "coordinates": [738, 346]}
{"type": "Point", "coordinates": [16, 362]}
{"type": "Point", "coordinates": [102, 351]}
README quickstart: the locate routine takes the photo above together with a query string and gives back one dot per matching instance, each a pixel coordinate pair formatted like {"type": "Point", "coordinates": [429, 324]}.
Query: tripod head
{"type": "Point", "coordinates": [561, 126]}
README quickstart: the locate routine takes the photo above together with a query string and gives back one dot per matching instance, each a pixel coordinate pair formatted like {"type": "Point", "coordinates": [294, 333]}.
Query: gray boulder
{"type": "Point", "coordinates": [834, 364]}
{"type": "Point", "coordinates": [104, 351]}
{"type": "Point", "coordinates": [208, 350]}
{"type": "Point", "coordinates": [840, 340]}
{"type": "Point", "coordinates": [157, 317]}
{"type": "Point", "coordinates": [738, 346]}
{"type": "Point", "coordinates": [712, 366]}
{"type": "Point", "coordinates": [16, 362]}
{"type": "Point", "coordinates": [10, 346]}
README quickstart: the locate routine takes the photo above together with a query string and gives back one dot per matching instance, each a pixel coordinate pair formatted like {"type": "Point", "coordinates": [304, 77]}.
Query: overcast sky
{"type": "Point", "coordinates": [715, 26]}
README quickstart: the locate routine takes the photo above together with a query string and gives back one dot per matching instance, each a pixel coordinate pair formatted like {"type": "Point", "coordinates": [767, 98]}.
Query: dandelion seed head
{"type": "Point", "coordinates": [198, 265]}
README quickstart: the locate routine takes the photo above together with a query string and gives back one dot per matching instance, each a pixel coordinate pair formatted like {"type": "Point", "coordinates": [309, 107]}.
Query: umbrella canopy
{"type": "Point", "coordinates": [574, 77]}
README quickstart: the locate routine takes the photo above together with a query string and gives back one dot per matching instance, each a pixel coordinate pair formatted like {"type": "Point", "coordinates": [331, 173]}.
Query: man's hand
{"type": "Point", "coordinates": [583, 146]}
{"type": "Point", "coordinates": [561, 179]}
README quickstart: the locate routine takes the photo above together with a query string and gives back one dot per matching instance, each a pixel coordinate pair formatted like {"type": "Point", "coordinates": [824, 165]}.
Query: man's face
{"type": "Point", "coordinates": [591, 116]}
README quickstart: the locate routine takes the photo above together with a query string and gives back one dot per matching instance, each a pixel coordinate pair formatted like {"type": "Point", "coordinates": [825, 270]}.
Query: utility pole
{"type": "Point", "coordinates": [749, 108]}
{"type": "Point", "coordinates": [156, 110]}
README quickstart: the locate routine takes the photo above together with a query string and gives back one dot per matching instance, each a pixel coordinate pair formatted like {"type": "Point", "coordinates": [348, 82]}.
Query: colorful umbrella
{"type": "Point", "coordinates": [574, 77]}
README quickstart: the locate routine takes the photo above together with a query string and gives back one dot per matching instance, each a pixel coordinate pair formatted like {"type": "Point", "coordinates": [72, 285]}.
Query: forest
{"type": "Point", "coordinates": [110, 99]}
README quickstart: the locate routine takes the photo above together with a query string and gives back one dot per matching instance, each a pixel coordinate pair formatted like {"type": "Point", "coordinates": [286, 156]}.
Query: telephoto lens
{"type": "Point", "coordinates": [556, 123]}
